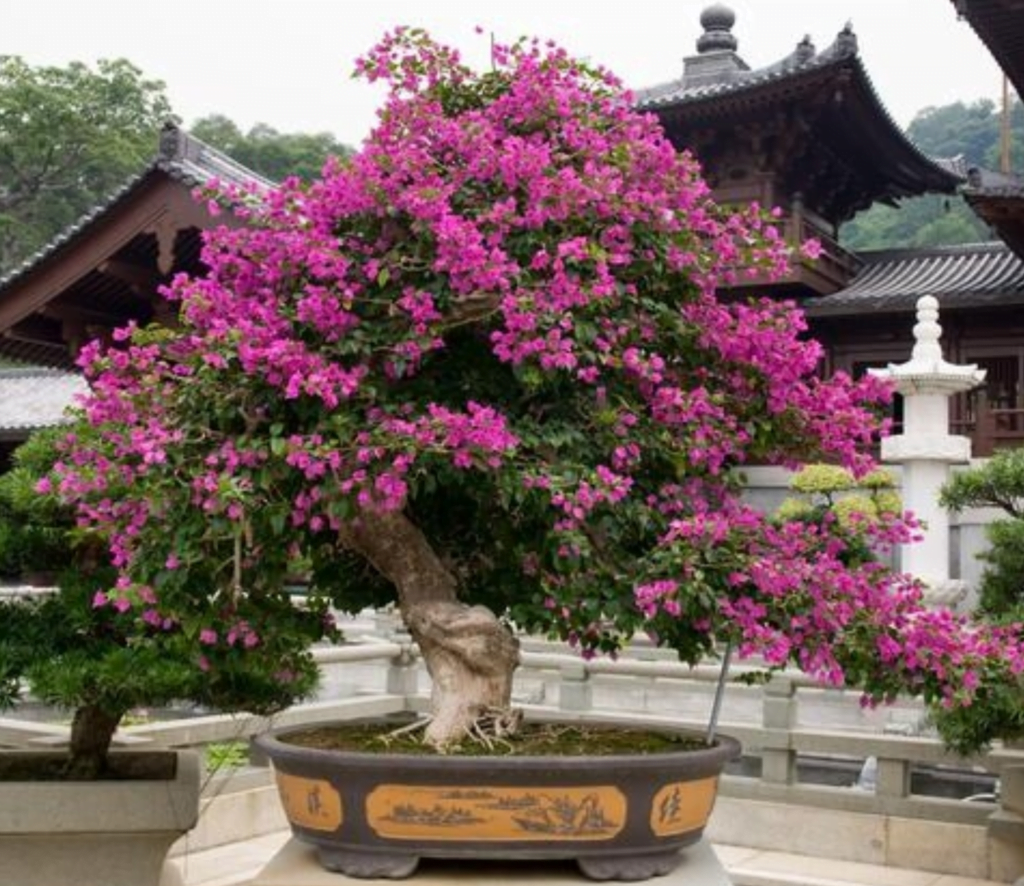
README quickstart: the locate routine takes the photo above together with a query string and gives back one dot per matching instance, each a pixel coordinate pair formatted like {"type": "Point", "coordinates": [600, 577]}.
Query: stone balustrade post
{"type": "Point", "coordinates": [892, 778]}
{"type": "Point", "coordinates": [1006, 828]}
{"type": "Point", "coordinates": [575, 692]}
{"type": "Point", "coordinates": [403, 673]}
{"type": "Point", "coordinates": [779, 710]}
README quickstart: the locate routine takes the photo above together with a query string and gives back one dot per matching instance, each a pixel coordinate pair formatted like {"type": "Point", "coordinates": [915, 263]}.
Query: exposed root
{"type": "Point", "coordinates": [494, 726]}
{"type": "Point", "coordinates": [415, 726]}
{"type": "Point", "coordinates": [491, 727]}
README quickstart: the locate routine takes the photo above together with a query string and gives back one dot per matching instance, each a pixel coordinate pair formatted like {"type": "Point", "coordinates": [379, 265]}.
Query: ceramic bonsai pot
{"type": "Point", "coordinates": [97, 833]}
{"type": "Point", "coordinates": [621, 817]}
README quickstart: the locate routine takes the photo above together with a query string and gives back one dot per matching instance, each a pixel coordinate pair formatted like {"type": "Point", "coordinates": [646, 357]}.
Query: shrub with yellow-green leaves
{"type": "Point", "coordinates": [832, 494]}
{"type": "Point", "coordinates": [850, 499]}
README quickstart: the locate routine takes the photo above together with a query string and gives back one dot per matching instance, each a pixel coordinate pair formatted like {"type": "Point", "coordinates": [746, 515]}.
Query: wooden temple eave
{"type": "Point", "coordinates": [162, 208]}
{"type": "Point", "coordinates": [1000, 25]}
{"type": "Point", "coordinates": [37, 340]}
{"type": "Point", "coordinates": [821, 132]}
{"type": "Point", "coordinates": [140, 279]}
{"type": "Point", "coordinates": [1004, 214]}
{"type": "Point", "coordinates": [66, 312]}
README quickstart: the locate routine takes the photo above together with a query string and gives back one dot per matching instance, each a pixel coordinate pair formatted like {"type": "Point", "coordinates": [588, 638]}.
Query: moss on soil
{"type": "Point", "coordinates": [533, 739]}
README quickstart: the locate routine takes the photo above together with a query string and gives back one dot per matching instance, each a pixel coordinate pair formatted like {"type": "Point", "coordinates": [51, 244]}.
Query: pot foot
{"type": "Point", "coordinates": [629, 867]}
{"type": "Point", "coordinates": [367, 865]}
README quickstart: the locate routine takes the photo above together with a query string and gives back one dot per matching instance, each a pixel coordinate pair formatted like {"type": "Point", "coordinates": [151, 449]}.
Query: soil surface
{"type": "Point", "coordinates": [136, 766]}
{"type": "Point", "coordinates": [532, 739]}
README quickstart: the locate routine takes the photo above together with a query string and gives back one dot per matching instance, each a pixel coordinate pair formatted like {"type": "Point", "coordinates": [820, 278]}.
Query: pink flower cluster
{"type": "Point", "coordinates": [512, 289]}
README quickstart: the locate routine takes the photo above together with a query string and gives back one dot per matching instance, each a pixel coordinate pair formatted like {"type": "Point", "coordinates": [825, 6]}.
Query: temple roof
{"type": "Point", "coordinates": [720, 73]}
{"type": "Point", "coordinates": [999, 199]}
{"type": "Point", "coordinates": [891, 281]}
{"type": "Point", "coordinates": [35, 398]}
{"type": "Point", "coordinates": [105, 269]}
{"type": "Point", "coordinates": [813, 118]}
{"type": "Point", "coordinates": [1002, 208]}
{"type": "Point", "coordinates": [1000, 25]}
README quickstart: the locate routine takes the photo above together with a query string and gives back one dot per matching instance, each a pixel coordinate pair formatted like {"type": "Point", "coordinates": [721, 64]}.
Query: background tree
{"type": "Point", "coordinates": [968, 129]}
{"type": "Point", "coordinates": [928, 220]}
{"type": "Point", "coordinates": [958, 128]}
{"type": "Point", "coordinates": [69, 136]}
{"type": "Point", "coordinates": [97, 660]}
{"type": "Point", "coordinates": [998, 483]}
{"type": "Point", "coordinates": [273, 154]}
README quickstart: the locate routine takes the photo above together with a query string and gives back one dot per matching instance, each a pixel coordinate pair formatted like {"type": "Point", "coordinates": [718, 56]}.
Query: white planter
{"type": "Point", "coordinates": [95, 833]}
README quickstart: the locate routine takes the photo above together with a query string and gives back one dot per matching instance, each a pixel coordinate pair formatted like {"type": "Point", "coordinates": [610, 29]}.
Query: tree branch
{"type": "Point", "coordinates": [399, 551]}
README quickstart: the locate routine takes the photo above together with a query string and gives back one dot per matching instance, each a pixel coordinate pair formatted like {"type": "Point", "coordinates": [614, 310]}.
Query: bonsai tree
{"type": "Point", "coordinates": [33, 527]}
{"type": "Point", "coordinates": [481, 368]}
{"type": "Point", "coordinates": [82, 650]}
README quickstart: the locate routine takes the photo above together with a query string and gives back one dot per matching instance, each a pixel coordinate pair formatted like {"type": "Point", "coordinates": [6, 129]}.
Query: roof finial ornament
{"type": "Point", "coordinates": [170, 141]}
{"type": "Point", "coordinates": [805, 50]}
{"type": "Point", "coordinates": [846, 42]}
{"type": "Point", "coordinates": [717, 21]}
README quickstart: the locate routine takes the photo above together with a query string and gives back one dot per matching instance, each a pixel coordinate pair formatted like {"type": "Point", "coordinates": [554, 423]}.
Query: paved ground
{"type": "Point", "coordinates": [238, 863]}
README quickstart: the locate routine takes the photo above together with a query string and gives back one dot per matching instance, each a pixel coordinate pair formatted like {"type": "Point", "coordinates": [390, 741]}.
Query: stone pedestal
{"type": "Point", "coordinates": [96, 833]}
{"type": "Point", "coordinates": [1006, 828]}
{"type": "Point", "coordinates": [296, 865]}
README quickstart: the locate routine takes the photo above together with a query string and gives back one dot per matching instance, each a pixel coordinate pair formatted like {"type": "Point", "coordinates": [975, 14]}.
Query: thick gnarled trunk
{"type": "Point", "coordinates": [470, 655]}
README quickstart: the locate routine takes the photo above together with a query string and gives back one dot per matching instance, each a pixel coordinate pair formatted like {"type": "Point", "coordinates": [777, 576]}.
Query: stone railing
{"type": "Point", "coordinates": [820, 775]}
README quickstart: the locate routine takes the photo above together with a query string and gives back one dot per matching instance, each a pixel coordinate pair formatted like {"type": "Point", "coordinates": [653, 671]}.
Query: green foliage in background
{"type": "Point", "coordinates": [963, 129]}
{"type": "Point", "coordinates": [34, 528]}
{"type": "Point", "coordinates": [275, 155]}
{"type": "Point", "coordinates": [998, 483]}
{"type": "Point", "coordinates": [69, 137]}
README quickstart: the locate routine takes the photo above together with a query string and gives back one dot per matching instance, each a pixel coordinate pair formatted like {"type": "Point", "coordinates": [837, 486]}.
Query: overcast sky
{"type": "Point", "coordinates": [287, 62]}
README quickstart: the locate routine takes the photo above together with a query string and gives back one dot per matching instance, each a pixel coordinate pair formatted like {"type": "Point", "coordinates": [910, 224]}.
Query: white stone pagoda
{"type": "Point", "coordinates": [925, 449]}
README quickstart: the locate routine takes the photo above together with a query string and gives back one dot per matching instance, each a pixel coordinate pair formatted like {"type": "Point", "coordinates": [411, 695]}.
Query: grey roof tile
{"type": "Point", "coordinates": [988, 182]}
{"type": "Point", "coordinates": [36, 398]}
{"type": "Point", "coordinates": [890, 281]}
{"type": "Point", "coordinates": [802, 60]}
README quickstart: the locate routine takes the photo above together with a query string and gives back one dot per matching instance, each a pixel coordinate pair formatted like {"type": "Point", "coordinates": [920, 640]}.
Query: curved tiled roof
{"type": "Point", "coordinates": [975, 275]}
{"type": "Point", "coordinates": [988, 181]}
{"type": "Point", "coordinates": [802, 60]}
{"type": "Point", "coordinates": [183, 158]}
{"type": "Point", "coordinates": [1000, 25]}
{"type": "Point", "coordinates": [36, 398]}
{"type": "Point", "coordinates": [728, 79]}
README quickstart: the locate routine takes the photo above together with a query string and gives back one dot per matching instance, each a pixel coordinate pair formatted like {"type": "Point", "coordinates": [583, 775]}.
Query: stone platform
{"type": "Point", "coordinates": [252, 862]}
{"type": "Point", "coordinates": [295, 864]}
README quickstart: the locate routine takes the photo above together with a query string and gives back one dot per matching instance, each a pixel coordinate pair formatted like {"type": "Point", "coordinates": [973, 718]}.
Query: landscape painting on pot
{"type": "Point", "coordinates": [480, 368]}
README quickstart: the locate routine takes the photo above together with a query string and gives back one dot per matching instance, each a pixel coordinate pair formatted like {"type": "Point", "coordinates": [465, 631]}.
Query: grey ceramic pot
{"type": "Point", "coordinates": [623, 817]}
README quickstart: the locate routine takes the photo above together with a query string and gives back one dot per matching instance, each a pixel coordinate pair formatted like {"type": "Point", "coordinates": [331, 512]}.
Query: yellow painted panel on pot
{"type": "Point", "coordinates": [310, 802]}
{"type": "Point", "coordinates": [413, 812]}
{"type": "Point", "coordinates": [683, 806]}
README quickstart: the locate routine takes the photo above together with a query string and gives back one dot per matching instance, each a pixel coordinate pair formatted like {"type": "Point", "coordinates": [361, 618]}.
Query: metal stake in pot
{"type": "Point", "coordinates": [716, 708]}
